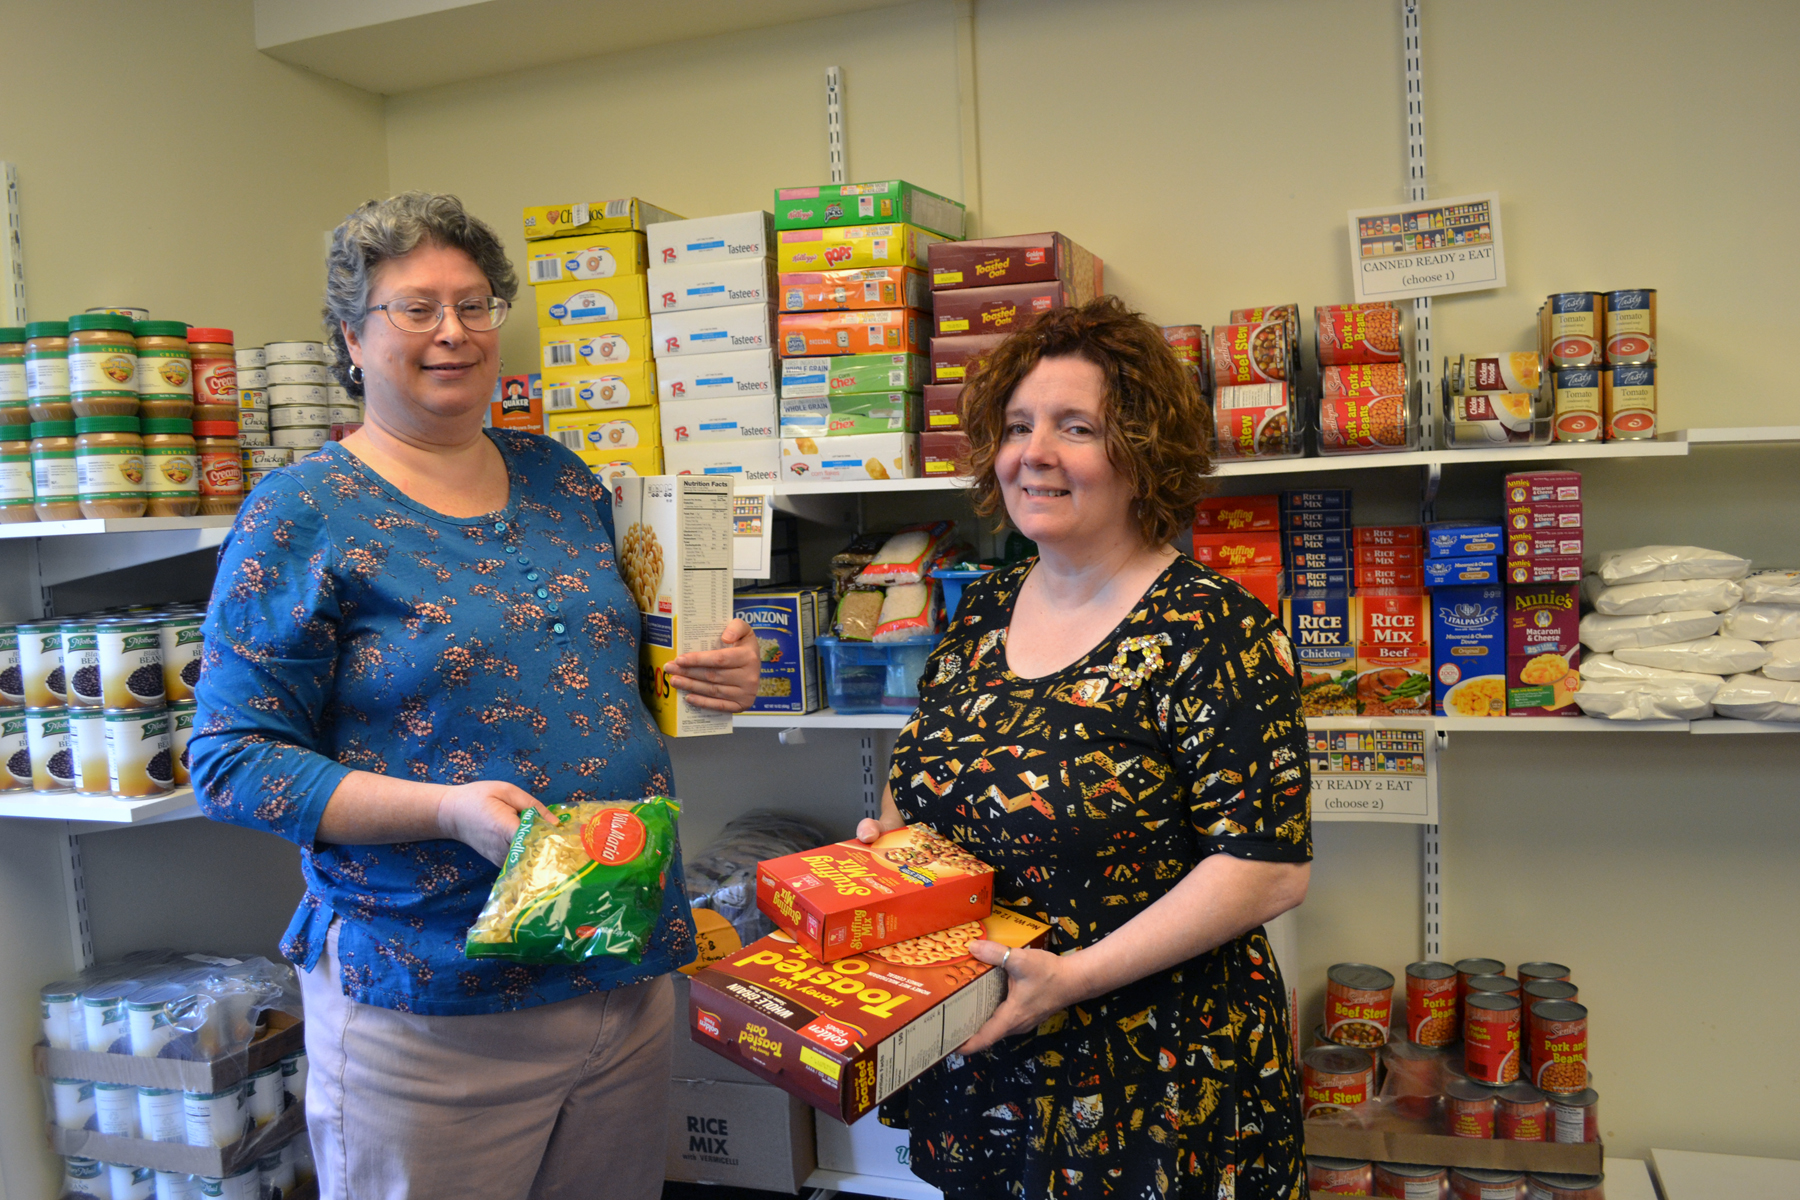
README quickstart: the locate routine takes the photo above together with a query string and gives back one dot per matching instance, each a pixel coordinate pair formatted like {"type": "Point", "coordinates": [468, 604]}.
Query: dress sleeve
{"type": "Point", "coordinates": [269, 671]}
{"type": "Point", "coordinates": [1235, 730]}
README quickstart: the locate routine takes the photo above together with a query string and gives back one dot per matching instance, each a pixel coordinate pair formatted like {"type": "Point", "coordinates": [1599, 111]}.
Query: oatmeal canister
{"type": "Point", "coordinates": [1410, 1181]}
{"type": "Point", "coordinates": [40, 664]}
{"type": "Point", "coordinates": [1336, 1078]}
{"type": "Point", "coordinates": [1575, 1118]}
{"type": "Point", "coordinates": [181, 717]}
{"type": "Point", "coordinates": [1559, 1040]}
{"type": "Point", "coordinates": [1339, 1176]}
{"type": "Point", "coordinates": [1469, 1109]}
{"type": "Point", "coordinates": [81, 665]}
{"type": "Point", "coordinates": [131, 668]}
{"type": "Point", "coordinates": [1572, 329]}
{"type": "Point", "coordinates": [1524, 1114]}
{"type": "Point", "coordinates": [1628, 398]}
{"type": "Point", "coordinates": [1631, 326]}
{"type": "Point", "coordinates": [1431, 1003]}
{"type": "Point", "coordinates": [87, 747]}
{"type": "Point", "coordinates": [47, 744]}
{"type": "Point", "coordinates": [1472, 1183]}
{"type": "Point", "coordinates": [138, 762]}
{"type": "Point", "coordinates": [103, 366]}
{"type": "Point", "coordinates": [1491, 1038]}
{"type": "Point", "coordinates": [1359, 1003]}
{"type": "Point", "coordinates": [1540, 1186]}
{"type": "Point", "coordinates": [17, 775]}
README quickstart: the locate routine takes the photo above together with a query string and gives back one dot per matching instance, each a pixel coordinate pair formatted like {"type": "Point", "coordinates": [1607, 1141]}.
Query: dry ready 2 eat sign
{"type": "Point", "coordinates": [1386, 773]}
{"type": "Point", "coordinates": [1432, 248]}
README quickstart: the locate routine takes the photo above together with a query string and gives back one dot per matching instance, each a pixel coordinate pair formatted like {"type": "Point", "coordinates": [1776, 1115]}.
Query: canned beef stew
{"type": "Point", "coordinates": [1336, 1078]}
{"type": "Point", "coordinates": [1340, 1176]}
{"type": "Point", "coordinates": [1359, 1002]}
{"type": "Point", "coordinates": [1431, 1003]}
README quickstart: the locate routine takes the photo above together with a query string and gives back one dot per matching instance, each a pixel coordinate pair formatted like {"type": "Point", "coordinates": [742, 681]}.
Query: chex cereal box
{"type": "Point", "coordinates": [846, 1035]}
{"type": "Point", "coordinates": [848, 898]}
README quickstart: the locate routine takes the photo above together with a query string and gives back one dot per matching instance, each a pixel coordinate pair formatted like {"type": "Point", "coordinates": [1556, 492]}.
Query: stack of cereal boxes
{"type": "Point", "coordinates": [1543, 530]}
{"type": "Point", "coordinates": [855, 321]}
{"type": "Point", "coordinates": [712, 294]}
{"type": "Point", "coordinates": [595, 391]}
{"type": "Point", "coordinates": [982, 291]}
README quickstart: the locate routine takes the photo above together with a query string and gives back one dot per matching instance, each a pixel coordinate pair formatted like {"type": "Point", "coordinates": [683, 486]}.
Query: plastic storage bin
{"type": "Point", "coordinates": [873, 677]}
{"type": "Point", "coordinates": [952, 583]}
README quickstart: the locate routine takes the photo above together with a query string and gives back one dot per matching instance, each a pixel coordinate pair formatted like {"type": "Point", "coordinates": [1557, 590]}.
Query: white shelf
{"type": "Point", "coordinates": [1553, 725]}
{"type": "Point", "coordinates": [38, 529]}
{"type": "Point", "coordinates": [936, 483]}
{"type": "Point", "coordinates": [873, 1185]}
{"type": "Point", "coordinates": [100, 811]}
{"type": "Point", "coordinates": [1740, 435]}
{"type": "Point", "coordinates": [1732, 725]}
{"type": "Point", "coordinates": [825, 718]}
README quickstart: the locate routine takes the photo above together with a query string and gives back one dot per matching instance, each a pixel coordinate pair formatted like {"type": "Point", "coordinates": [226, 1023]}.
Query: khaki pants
{"type": "Point", "coordinates": [551, 1103]}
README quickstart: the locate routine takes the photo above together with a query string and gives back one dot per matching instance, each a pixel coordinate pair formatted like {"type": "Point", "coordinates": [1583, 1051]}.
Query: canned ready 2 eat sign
{"type": "Point", "coordinates": [1387, 773]}
{"type": "Point", "coordinates": [1432, 248]}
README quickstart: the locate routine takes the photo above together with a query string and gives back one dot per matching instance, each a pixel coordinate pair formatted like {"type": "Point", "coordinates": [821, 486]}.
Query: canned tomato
{"type": "Point", "coordinates": [1575, 397]}
{"type": "Point", "coordinates": [17, 775]}
{"type": "Point", "coordinates": [1572, 329]}
{"type": "Point", "coordinates": [1345, 333]}
{"type": "Point", "coordinates": [1523, 1115]}
{"type": "Point", "coordinates": [1431, 1003]}
{"type": "Point", "coordinates": [1469, 1109]}
{"type": "Point", "coordinates": [1251, 352]}
{"type": "Point", "coordinates": [1254, 420]}
{"type": "Point", "coordinates": [1410, 1181]}
{"type": "Point", "coordinates": [81, 664]}
{"type": "Point", "coordinates": [1336, 1078]}
{"type": "Point", "coordinates": [47, 745]}
{"type": "Point", "coordinates": [1531, 972]}
{"type": "Point", "coordinates": [181, 728]}
{"type": "Point", "coordinates": [1472, 1183]}
{"type": "Point", "coordinates": [181, 642]}
{"type": "Point", "coordinates": [1559, 1042]}
{"type": "Point", "coordinates": [1628, 397]}
{"type": "Point", "coordinates": [1542, 989]}
{"type": "Point", "coordinates": [131, 669]}
{"type": "Point", "coordinates": [87, 746]}
{"type": "Point", "coordinates": [1359, 1003]}
{"type": "Point", "coordinates": [1491, 1038]}
{"type": "Point", "coordinates": [1339, 1176]}
{"type": "Point", "coordinates": [1539, 1186]}
{"type": "Point", "coordinates": [1631, 326]}
{"type": "Point", "coordinates": [1574, 1118]}
{"type": "Point", "coordinates": [138, 762]}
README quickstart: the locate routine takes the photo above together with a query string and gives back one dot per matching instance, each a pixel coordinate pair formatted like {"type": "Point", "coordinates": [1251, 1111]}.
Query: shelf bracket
{"type": "Point", "coordinates": [834, 124]}
{"type": "Point", "coordinates": [1434, 479]}
{"type": "Point", "coordinates": [81, 932]}
{"type": "Point", "coordinates": [871, 789]}
{"type": "Point", "coordinates": [1431, 879]}
{"type": "Point", "coordinates": [791, 737]}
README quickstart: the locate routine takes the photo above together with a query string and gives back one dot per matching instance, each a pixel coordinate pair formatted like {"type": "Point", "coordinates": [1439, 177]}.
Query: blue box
{"type": "Point", "coordinates": [1468, 644]}
{"type": "Point", "coordinates": [1316, 617]}
{"type": "Point", "coordinates": [1330, 581]}
{"type": "Point", "coordinates": [1294, 520]}
{"type": "Point", "coordinates": [1317, 500]}
{"type": "Point", "coordinates": [1461, 572]}
{"type": "Point", "coordinates": [783, 621]}
{"type": "Point", "coordinates": [1319, 560]}
{"type": "Point", "coordinates": [1326, 539]}
{"type": "Point", "coordinates": [872, 677]}
{"type": "Point", "coordinates": [1464, 539]}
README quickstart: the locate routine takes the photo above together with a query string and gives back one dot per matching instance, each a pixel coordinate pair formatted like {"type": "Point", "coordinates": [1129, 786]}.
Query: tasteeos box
{"type": "Point", "coordinates": [852, 247]}
{"type": "Point", "coordinates": [745, 235]}
{"type": "Point", "coordinates": [591, 301]}
{"type": "Point", "coordinates": [848, 897]}
{"type": "Point", "coordinates": [783, 621]}
{"type": "Point", "coordinates": [593, 216]}
{"type": "Point", "coordinates": [869, 287]}
{"type": "Point", "coordinates": [630, 386]}
{"type": "Point", "coordinates": [742, 1135]}
{"type": "Point", "coordinates": [748, 460]}
{"type": "Point", "coordinates": [593, 256]}
{"type": "Point", "coordinates": [675, 547]}
{"type": "Point", "coordinates": [853, 331]}
{"type": "Point", "coordinates": [593, 347]}
{"type": "Point", "coordinates": [865, 456]}
{"type": "Point", "coordinates": [726, 376]}
{"type": "Point", "coordinates": [711, 284]}
{"type": "Point", "coordinates": [718, 420]}
{"type": "Point", "coordinates": [834, 375]}
{"type": "Point", "coordinates": [713, 330]}
{"type": "Point", "coordinates": [860, 203]}
{"type": "Point", "coordinates": [846, 1035]}
{"type": "Point", "coordinates": [850, 413]}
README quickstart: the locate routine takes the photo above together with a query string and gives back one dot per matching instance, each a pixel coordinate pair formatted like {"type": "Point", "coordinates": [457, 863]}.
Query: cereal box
{"type": "Point", "coordinates": [1543, 650]}
{"type": "Point", "coordinates": [519, 404]}
{"type": "Point", "coordinates": [853, 331]}
{"type": "Point", "coordinates": [712, 330]}
{"type": "Point", "coordinates": [782, 620]}
{"type": "Point", "coordinates": [863, 456]}
{"type": "Point", "coordinates": [675, 545]}
{"type": "Point", "coordinates": [861, 203]}
{"type": "Point", "coordinates": [1020, 258]}
{"type": "Point", "coordinates": [592, 216]}
{"type": "Point", "coordinates": [748, 460]}
{"type": "Point", "coordinates": [828, 376]}
{"type": "Point", "coordinates": [943, 406]}
{"type": "Point", "coordinates": [574, 390]}
{"type": "Point", "coordinates": [1468, 652]}
{"type": "Point", "coordinates": [869, 287]}
{"type": "Point", "coordinates": [1393, 679]}
{"type": "Point", "coordinates": [605, 433]}
{"type": "Point", "coordinates": [1237, 514]}
{"type": "Point", "coordinates": [850, 247]}
{"type": "Point", "coordinates": [596, 256]}
{"type": "Point", "coordinates": [745, 236]}
{"type": "Point", "coordinates": [952, 357]}
{"type": "Point", "coordinates": [943, 452]}
{"type": "Point", "coordinates": [995, 309]}
{"type": "Point", "coordinates": [718, 420]}
{"type": "Point", "coordinates": [846, 1035]}
{"type": "Point", "coordinates": [594, 347]}
{"type": "Point", "coordinates": [591, 301]}
{"type": "Point", "coordinates": [716, 376]}
{"type": "Point", "coordinates": [850, 413]}
{"type": "Point", "coordinates": [850, 898]}
{"type": "Point", "coordinates": [688, 286]}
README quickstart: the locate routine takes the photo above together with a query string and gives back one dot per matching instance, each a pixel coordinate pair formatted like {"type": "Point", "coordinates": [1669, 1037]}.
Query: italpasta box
{"type": "Point", "coordinates": [849, 898]}
{"type": "Point", "coordinates": [674, 541]}
{"type": "Point", "coordinates": [846, 1035]}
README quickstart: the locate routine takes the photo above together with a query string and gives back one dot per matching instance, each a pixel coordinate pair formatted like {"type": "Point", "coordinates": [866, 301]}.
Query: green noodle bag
{"type": "Point", "coordinates": [586, 883]}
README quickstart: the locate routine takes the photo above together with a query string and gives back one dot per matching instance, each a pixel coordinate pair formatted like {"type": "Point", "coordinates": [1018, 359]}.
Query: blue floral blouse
{"type": "Point", "coordinates": [352, 629]}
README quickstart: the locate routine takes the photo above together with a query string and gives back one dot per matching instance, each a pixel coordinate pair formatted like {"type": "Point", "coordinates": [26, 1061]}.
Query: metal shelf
{"type": "Point", "coordinates": [828, 719]}
{"type": "Point", "coordinates": [825, 718]}
{"type": "Point", "coordinates": [835, 1182]}
{"type": "Point", "coordinates": [44, 529]}
{"type": "Point", "coordinates": [102, 812]}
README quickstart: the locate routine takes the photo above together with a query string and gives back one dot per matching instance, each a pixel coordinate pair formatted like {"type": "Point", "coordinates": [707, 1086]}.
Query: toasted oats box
{"type": "Point", "coordinates": [596, 256]}
{"type": "Point", "coordinates": [848, 898]}
{"type": "Point", "coordinates": [592, 216]}
{"type": "Point", "coordinates": [846, 1035]}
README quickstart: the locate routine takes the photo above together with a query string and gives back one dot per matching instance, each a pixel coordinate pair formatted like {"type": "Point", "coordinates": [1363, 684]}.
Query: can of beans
{"type": "Point", "coordinates": [1251, 352]}
{"type": "Point", "coordinates": [1469, 1109]}
{"type": "Point", "coordinates": [1539, 1186]}
{"type": "Point", "coordinates": [1524, 1113]}
{"type": "Point", "coordinates": [87, 749]}
{"type": "Point", "coordinates": [1575, 396]}
{"type": "Point", "coordinates": [1574, 1118]}
{"type": "Point", "coordinates": [47, 748]}
{"type": "Point", "coordinates": [1572, 330]}
{"type": "Point", "coordinates": [1531, 972]}
{"type": "Point", "coordinates": [1628, 398]}
{"type": "Point", "coordinates": [182, 714]}
{"type": "Point", "coordinates": [1472, 1183]}
{"type": "Point", "coordinates": [1631, 326]}
{"type": "Point", "coordinates": [131, 668]}
{"type": "Point", "coordinates": [1491, 1038]}
{"type": "Point", "coordinates": [1467, 969]}
{"type": "Point", "coordinates": [1339, 1176]}
{"type": "Point", "coordinates": [1336, 1079]}
{"type": "Point", "coordinates": [81, 663]}
{"type": "Point", "coordinates": [1542, 989]}
{"type": "Point", "coordinates": [1414, 1078]}
{"type": "Point", "coordinates": [138, 762]}
{"type": "Point", "coordinates": [1359, 1004]}
{"type": "Point", "coordinates": [1347, 333]}
{"type": "Point", "coordinates": [1431, 1003]}
{"type": "Point", "coordinates": [1410, 1181]}
{"type": "Point", "coordinates": [1559, 1041]}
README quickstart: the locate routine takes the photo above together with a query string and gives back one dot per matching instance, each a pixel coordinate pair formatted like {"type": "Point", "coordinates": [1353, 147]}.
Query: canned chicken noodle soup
{"type": "Point", "coordinates": [1359, 1001]}
{"type": "Point", "coordinates": [138, 761]}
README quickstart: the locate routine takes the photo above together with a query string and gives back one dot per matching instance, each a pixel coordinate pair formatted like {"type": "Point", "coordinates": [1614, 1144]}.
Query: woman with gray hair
{"type": "Point", "coordinates": [415, 636]}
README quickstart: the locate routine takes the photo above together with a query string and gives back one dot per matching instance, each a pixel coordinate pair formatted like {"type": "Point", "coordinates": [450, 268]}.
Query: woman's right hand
{"type": "Point", "coordinates": [485, 815]}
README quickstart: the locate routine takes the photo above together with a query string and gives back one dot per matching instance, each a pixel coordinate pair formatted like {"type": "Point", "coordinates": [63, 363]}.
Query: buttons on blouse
{"type": "Point", "coordinates": [532, 575]}
{"type": "Point", "coordinates": [524, 559]}
{"type": "Point", "coordinates": [499, 526]}
{"type": "Point", "coordinates": [557, 627]}
{"type": "Point", "coordinates": [543, 593]}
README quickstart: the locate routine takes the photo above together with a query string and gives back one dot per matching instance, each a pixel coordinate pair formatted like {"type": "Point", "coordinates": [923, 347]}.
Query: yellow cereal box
{"type": "Point", "coordinates": [592, 216]}
{"type": "Point", "coordinates": [608, 433]}
{"type": "Point", "coordinates": [586, 256]}
{"type": "Point", "coordinates": [584, 388]}
{"type": "Point", "coordinates": [611, 344]}
{"type": "Point", "coordinates": [591, 301]}
{"type": "Point", "coordinates": [849, 247]}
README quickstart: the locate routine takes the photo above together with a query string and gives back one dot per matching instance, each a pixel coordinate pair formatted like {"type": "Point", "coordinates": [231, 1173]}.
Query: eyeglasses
{"type": "Point", "coordinates": [416, 314]}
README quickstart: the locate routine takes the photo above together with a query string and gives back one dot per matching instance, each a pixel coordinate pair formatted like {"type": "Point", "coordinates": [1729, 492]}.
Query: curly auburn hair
{"type": "Point", "coordinates": [1158, 429]}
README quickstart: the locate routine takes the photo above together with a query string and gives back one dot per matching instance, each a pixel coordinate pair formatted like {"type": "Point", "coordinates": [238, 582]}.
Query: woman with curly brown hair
{"type": "Point", "coordinates": [1117, 730]}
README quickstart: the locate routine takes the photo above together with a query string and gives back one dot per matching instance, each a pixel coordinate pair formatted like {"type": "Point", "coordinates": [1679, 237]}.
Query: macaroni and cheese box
{"type": "Point", "coordinates": [953, 357]}
{"type": "Point", "coordinates": [593, 347]}
{"type": "Point", "coordinates": [846, 1035]}
{"type": "Point", "coordinates": [718, 420]}
{"type": "Point", "coordinates": [783, 621]}
{"type": "Point", "coordinates": [717, 376]}
{"type": "Point", "coordinates": [863, 203]}
{"type": "Point", "coordinates": [831, 376]}
{"type": "Point", "coordinates": [1544, 543]}
{"type": "Point", "coordinates": [711, 284]}
{"type": "Point", "coordinates": [748, 460]}
{"type": "Point", "coordinates": [712, 330]}
{"type": "Point", "coordinates": [860, 456]}
{"type": "Point", "coordinates": [674, 543]}
{"type": "Point", "coordinates": [853, 331]}
{"type": "Point", "coordinates": [943, 452]}
{"type": "Point", "coordinates": [593, 216]}
{"type": "Point", "coordinates": [605, 433]}
{"type": "Point", "coordinates": [590, 301]}
{"type": "Point", "coordinates": [1230, 552]}
{"type": "Point", "coordinates": [850, 247]}
{"type": "Point", "coordinates": [943, 406]}
{"type": "Point", "coordinates": [1022, 258]}
{"type": "Point", "coordinates": [595, 256]}
{"type": "Point", "coordinates": [1468, 651]}
{"type": "Point", "coordinates": [1464, 539]}
{"type": "Point", "coordinates": [733, 236]}
{"type": "Point", "coordinates": [519, 405]}
{"type": "Point", "coordinates": [850, 413]}
{"type": "Point", "coordinates": [1461, 572]}
{"type": "Point", "coordinates": [1237, 514]}
{"type": "Point", "coordinates": [1005, 309]}
{"type": "Point", "coordinates": [871, 287]}
{"type": "Point", "coordinates": [1552, 514]}
{"type": "Point", "coordinates": [1543, 487]}
{"type": "Point", "coordinates": [1543, 650]}
{"type": "Point", "coordinates": [1556, 568]}
{"type": "Point", "coordinates": [851, 898]}
{"type": "Point", "coordinates": [573, 389]}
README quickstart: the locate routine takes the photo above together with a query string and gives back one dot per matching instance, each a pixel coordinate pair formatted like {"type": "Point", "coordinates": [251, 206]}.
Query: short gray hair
{"type": "Point", "coordinates": [383, 229]}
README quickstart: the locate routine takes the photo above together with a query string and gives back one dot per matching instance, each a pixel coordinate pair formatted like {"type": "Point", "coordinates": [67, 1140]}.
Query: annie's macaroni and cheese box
{"type": "Point", "coordinates": [594, 256]}
{"type": "Point", "coordinates": [575, 390]}
{"type": "Point", "coordinates": [783, 621]}
{"type": "Point", "coordinates": [1543, 649]}
{"type": "Point", "coordinates": [592, 216]}
{"type": "Point", "coordinates": [674, 542]}
{"type": "Point", "coordinates": [846, 1035]}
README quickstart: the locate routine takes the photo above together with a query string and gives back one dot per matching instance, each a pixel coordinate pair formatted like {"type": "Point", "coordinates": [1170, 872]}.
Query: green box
{"type": "Point", "coordinates": [888, 200]}
{"type": "Point", "coordinates": [851, 374]}
{"type": "Point", "coordinates": [850, 413]}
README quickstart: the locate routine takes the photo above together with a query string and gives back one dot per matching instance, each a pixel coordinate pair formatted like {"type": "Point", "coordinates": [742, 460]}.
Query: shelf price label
{"type": "Point", "coordinates": [1373, 772]}
{"type": "Point", "coordinates": [1433, 248]}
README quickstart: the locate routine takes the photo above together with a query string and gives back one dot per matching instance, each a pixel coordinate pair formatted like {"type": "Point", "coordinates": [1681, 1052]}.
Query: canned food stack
{"type": "Point", "coordinates": [1600, 351]}
{"type": "Point", "coordinates": [595, 391]}
{"type": "Point", "coordinates": [1367, 404]}
{"type": "Point", "coordinates": [1193, 349]}
{"type": "Point", "coordinates": [1497, 400]}
{"type": "Point", "coordinates": [1254, 368]}
{"type": "Point", "coordinates": [299, 375]}
{"type": "Point", "coordinates": [253, 400]}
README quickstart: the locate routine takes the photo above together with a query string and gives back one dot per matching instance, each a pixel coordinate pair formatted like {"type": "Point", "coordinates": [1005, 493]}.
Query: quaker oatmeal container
{"type": "Point", "coordinates": [103, 366]}
{"type": "Point", "coordinates": [81, 664]}
{"type": "Point", "coordinates": [47, 744]}
{"type": "Point", "coordinates": [87, 746]}
{"type": "Point", "coordinates": [55, 493]}
{"type": "Point", "coordinates": [40, 663]}
{"type": "Point", "coordinates": [16, 777]}
{"type": "Point", "coordinates": [182, 642]}
{"type": "Point", "coordinates": [165, 369]}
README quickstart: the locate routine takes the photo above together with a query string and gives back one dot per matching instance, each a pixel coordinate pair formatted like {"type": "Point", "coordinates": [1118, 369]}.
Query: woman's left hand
{"type": "Point", "coordinates": [1038, 983]}
{"type": "Point", "coordinates": [720, 679]}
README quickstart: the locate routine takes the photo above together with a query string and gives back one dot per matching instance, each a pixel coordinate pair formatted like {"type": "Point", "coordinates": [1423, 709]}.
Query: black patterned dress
{"type": "Point", "coordinates": [1093, 791]}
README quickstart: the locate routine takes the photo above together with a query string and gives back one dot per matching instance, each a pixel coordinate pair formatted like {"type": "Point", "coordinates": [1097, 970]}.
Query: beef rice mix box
{"type": "Point", "coordinates": [846, 1035]}
{"type": "Point", "coordinates": [850, 898]}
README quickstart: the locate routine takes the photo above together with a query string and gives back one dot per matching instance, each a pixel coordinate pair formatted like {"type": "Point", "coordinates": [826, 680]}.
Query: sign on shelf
{"type": "Point", "coordinates": [1383, 772]}
{"type": "Point", "coordinates": [1431, 248]}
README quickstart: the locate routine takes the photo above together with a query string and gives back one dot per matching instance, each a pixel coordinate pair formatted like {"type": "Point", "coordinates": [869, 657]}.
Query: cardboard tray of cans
{"type": "Point", "coordinates": [1394, 1140]}
{"type": "Point", "coordinates": [179, 1156]}
{"type": "Point", "coordinates": [283, 1036]}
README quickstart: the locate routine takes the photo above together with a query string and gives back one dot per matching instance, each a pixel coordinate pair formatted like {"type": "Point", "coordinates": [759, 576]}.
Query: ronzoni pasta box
{"type": "Point", "coordinates": [845, 1035]}
{"type": "Point", "coordinates": [849, 898]}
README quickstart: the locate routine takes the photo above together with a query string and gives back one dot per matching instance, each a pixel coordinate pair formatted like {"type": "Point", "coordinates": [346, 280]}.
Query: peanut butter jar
{"type": "Point", "coordinates": [103, 366]}
{"type": "Point", "coordinates": [165, 370]}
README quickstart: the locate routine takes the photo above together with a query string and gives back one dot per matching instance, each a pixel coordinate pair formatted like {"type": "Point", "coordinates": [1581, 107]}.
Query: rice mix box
{"type": "Point", "coordinates": [851, 898]}
{"type": "Point", "coordinates": [845, 1035]}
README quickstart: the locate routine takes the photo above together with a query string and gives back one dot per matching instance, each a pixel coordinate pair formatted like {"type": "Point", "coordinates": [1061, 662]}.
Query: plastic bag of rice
{"type": "Point", "coordinates": [1669, 595]}
{"type": "Point", "coordinates": [1759, 698]}
{"type": "Point", "coordinates": [1762, 622]}
{"type": "Point", "coordinates": [1652, 564]}
{"type": "Point", "coordinates": [906, 556]}
{"type": "Point", "coordinates": [1784, 660]}
{"type": "Point", "coordinates": [1707, 656]}
{"type": "Point", "coordinates": [1772, 587]}
{"type": "Point", "coordinates": [1603, 633]}
{"type": "Point", "coordinates": [1666, 699]}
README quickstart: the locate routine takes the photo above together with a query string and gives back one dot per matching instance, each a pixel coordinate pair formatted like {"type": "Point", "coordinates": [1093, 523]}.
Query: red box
{"type": "Point", "coordinates": [1229, 553]}
{"type": "Point", "coordinates": [1021, 258]}
{"type": "Point", "coordinates": [1551, 515]}
{"type": "Point", "coordinates": [973, 311]}
{"type": "Point", "coordinates": [1390, 556]}
{"type": "Point", "coordinates": [521, 404]}
{"type": "Point", "coordinates": [856, 331]}
{"type": "Point", "coordinates": [951, 357]}
{"type": "Point", "coordinates": [1538, 487]}
{"type": "Point", "coordinates": [1393, 616]}
{"type": "Point", "coordinates": [1557, 569]}
{"type": "Point", "coordinates": [943, 452]}
{"type": "Point", "coordinates": [1266, 586]}
{"type": "Point", "coordinates": [869, 287]}
{"type": "Point", "coordinates": [1543, 543]}
{"type": "Point", "coordinates": [1238, 514]}
{"type": "Point", "coordinates": [1388, 668]}
{"type": "Point", "coordinates": [943, 407]}
{"type": "Point", "coordinates": [1382, 578]}
{"type": "Point", "coordinates": [1388, 535]}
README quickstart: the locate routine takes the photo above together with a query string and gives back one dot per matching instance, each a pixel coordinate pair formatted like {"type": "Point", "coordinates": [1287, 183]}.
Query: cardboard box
{"type": "Point", "coordinates": [853, 331]}
{"type": "Point", "coordinates": [832, 375]}
{"type": "Point", "coordinates": [1464, 539]}
{"type": "Point", "coordinates": [943, 452]}
{"type": "Point", "coordinates": [592, 216]}
{"type": "Point", "coordinates": [1541, 543]}
{"type": "Point", "coordinates": [593, 256]}
{"type": "Point", "coordinates": [1327, 679]}
{"type": "Point", "coordinates": [733, 236]}
{"type": "Point", "coordinates": [952, 357]}
{"type": "Point", "coordinates": [748, 460]}
{"type": "Point", "coordinates": [285, 1035]}
{"type": "Point", "coordinates": [520, 404]}
{"type": "Point", "coordinates": [713, 330]}
{"type": "Point", "coordinates": [850, 413]}
{"type": "Point", "coordinates": [1548, 515]}
{"type": "Point", "coordinates": [628, 464]}
{"type": "Point", "coordinates": [783, 621]}
{"type": "Point", "coordinates": [716, 376]}
{"type": "Point", "coordinates": [1552, 569]}
{"type": "Point", "coordinates": [1229, 552]}
{"type": "Point", "coordinates": [742, 1135]}
{"type": "Point", "coordinates": [1302, 520]}
{"type": "Point", "coordinates": [592, 348]}
{"type": "Point", "coordinates": [1317, 499]}
{"type": "Point", "coordinates": [1315, 617]}
{"type": "Point", "coordinates": [718, 420]}
{"type": "Point", "coordinates": [995, 309]}
{"type": "Point", "coordinates": [1388, 577]}
{"type": "Point", "coordinates": [1393, 617]}
{"type": "Point", "coordinates": [177, 1156]}
{"type": "Point", "coordinates": [690, 286]}
{"type": "Point", "coordinates": [631, 386]}
{"type": "Point", "coordinates": [1461, 572]}
{"type": "Point", "coordinates": [1540, 487]}
{"type": "Point", "coordinates": [1543, 649]}
{"type": "Point", "coordinates": [1333, 581]}
{"type": "Point", "coordinates": [1266, 585]}
{"type": "Point", "coordinates": [1023, 258]}
{"type": "Point", "coordinates": [1389, 535]}
{"type": "Point", "coordinates": [1398, 1141]}
{"type": "Point", "coordinates": [1237, 514]}
{"type": "Point", "coordinates": [870, 287]}
{"type": "Point", "coordinates": [865, 456]}
{"type": "Point", "coordinates": [866, 1147]}
{"type": "Point", "coordinates": [1312, 541]}
{"type": "Point", "coordinates": [862, 203]}
{"type": "Point", "coordinates": [608, 434]}
{"type": "Point", "coordinates": [1390, 556]}
{"type": "Point", "coordinates": [850, 247]}
{"type": "Point", "coordinates": [675, 554]}
{"type": "Point", "coordinates": [1468, 644]}
{"type": "Point", "coordinates": [1316, 560]}
{"type": "Point", "coordinates": [943, 406]}
{"type": "Point", "coordinates": [845, 1036]}
{"type": "Point", "coordinates": [1393, 679]}
{"type": "Point", "coordinates": [591, 301]}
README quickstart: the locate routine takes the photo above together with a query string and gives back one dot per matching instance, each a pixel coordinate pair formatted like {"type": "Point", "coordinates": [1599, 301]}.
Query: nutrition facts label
{"type": "Point", "coordinates": [1380, 773]}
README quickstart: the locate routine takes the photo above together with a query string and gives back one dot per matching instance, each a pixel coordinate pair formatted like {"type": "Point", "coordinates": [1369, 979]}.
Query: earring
{"type": "Point", "coordinates": [355, 373]}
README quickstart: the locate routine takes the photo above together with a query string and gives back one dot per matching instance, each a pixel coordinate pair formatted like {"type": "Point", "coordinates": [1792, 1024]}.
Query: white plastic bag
{"type": "Point", "coordinates": [1607, 668]}
{"type": "Point", "coordinates": [1670, 595]}
{"type": "Point", "coordinates": [1651, 564]}
{"type": "Point", "coordinates": [1759, 698]}
{"type": "Point", "coordinates": [1762, 622]}
{"type": "Point", "coordinates": [1709, 656]}
{"type": "Point", "coordinates": [1603, 633]}
{"type": "Point", "coordinates": [1784, 661]}
{"type": "Point", "coordinates": [1665, 699]}
{"type": "Point", "coordinates": [1773, 587]}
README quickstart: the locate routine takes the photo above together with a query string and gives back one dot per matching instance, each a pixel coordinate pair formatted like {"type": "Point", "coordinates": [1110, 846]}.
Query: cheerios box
{"type": "Point", "coordinates": [591, 301]}
{"type": "Point", "coordinates": [848, 898]}
{"type": "Point", "coordinates": [605, 433]}
{"type": "Point", "coordinates": [592, 216]}
{"type": "Point", "coordinates": [592, 256]}
{"type": "Point", "coordinates": [575, 390]}
{"type": "Point", "coordinates": [845, 1035]}
{"type": "Point", "coordinates": [605, 346]}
